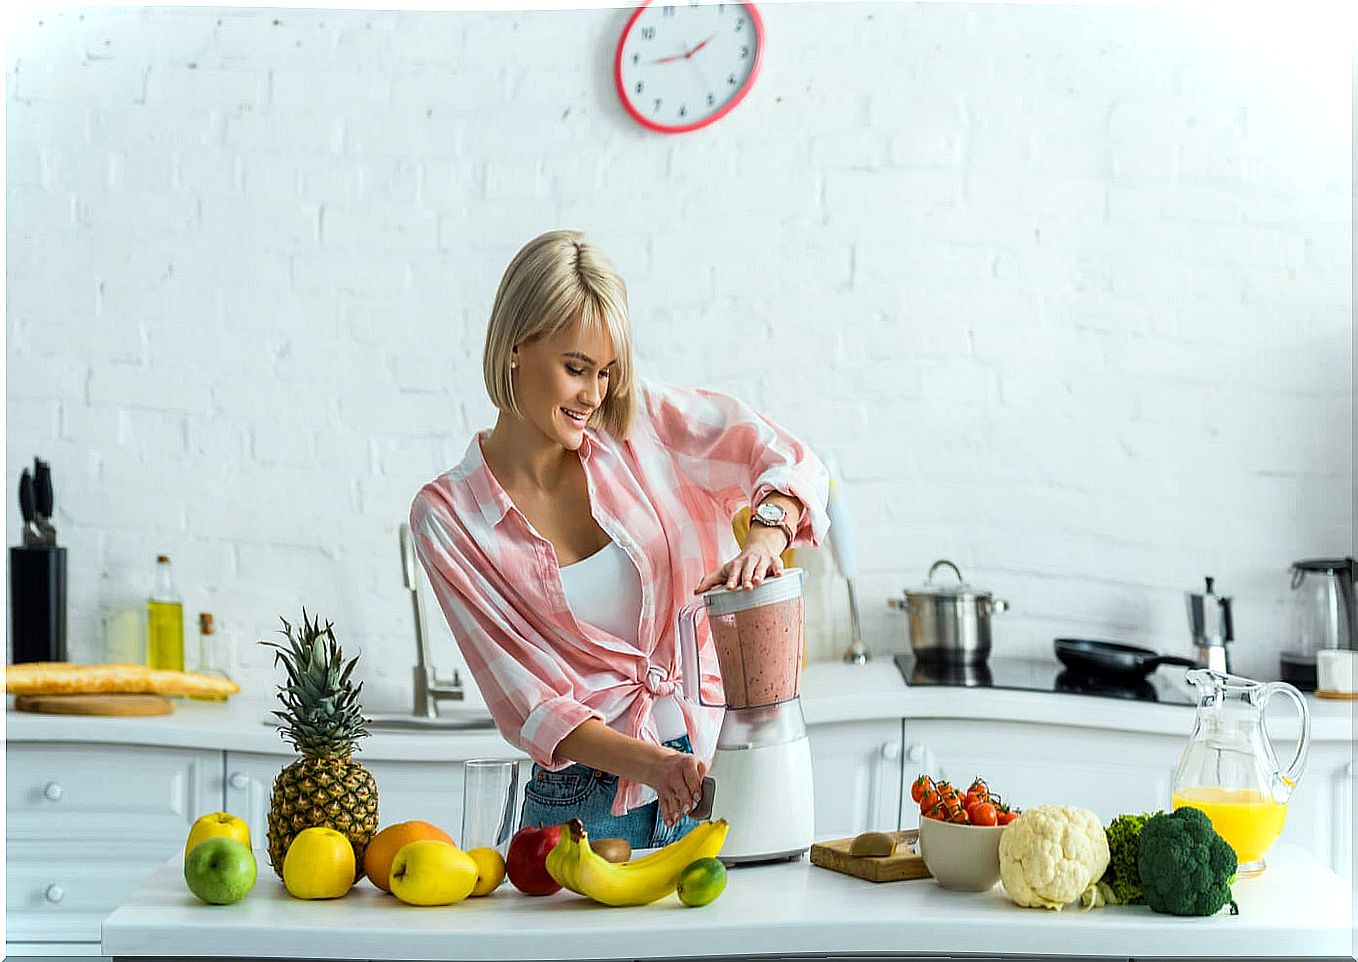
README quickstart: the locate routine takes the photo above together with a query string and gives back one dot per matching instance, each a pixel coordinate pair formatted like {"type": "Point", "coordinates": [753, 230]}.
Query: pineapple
{"type": "Point", "coordinates": [323, 720]}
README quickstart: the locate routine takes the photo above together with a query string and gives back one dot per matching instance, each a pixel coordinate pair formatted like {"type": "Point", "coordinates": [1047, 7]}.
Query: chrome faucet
{"type": "Point", "coordinates": [430, 689]}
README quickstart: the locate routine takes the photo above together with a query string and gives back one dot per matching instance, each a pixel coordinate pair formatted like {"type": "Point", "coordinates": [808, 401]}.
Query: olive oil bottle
{"type": "Point", "coordinates": [165, 621]}
{"type": "Point", "coordinates": [213, 655]}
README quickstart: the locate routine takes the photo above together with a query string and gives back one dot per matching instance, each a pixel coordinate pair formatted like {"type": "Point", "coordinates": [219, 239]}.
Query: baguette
{"type": "Point", "coordinates": [63, 678]}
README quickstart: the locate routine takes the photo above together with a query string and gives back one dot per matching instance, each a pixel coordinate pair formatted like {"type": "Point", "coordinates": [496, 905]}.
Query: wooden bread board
{"type": "Point", "coordinates": [1338, 695]}
{"type": "Point", "coordinates": [111, 704]}
{"type": "Point", "coordinates": [904, 864]}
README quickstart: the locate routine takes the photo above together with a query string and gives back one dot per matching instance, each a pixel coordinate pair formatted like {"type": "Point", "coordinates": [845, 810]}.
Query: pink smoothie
{"type": "Point", "coordinates": [760, 653]}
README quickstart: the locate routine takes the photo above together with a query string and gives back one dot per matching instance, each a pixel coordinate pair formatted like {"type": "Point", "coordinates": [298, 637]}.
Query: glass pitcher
{"type": "Point", "coordinates": [1228, 768]}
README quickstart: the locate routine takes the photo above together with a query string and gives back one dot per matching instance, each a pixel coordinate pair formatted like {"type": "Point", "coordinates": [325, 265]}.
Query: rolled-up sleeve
{"type": "Point", "coordinates": [528, 690]}
{"type": "Point", "coordinates": [737, 455]}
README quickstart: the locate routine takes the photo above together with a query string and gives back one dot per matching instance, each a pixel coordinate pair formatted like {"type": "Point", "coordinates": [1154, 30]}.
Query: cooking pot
{"type": "Point", "coordinates": [949, 623]}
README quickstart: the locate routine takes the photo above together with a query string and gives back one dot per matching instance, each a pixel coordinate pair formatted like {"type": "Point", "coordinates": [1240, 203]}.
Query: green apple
{"type": "Point", "coordinates": [220, 870]}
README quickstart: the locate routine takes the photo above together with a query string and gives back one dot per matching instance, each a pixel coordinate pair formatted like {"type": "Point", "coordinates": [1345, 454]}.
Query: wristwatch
{"type": "Point", "coordinates": [773, 515]}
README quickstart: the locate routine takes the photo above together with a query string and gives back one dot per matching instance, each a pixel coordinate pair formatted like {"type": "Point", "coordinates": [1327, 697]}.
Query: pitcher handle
{"type": "Point", "coordinates": [688, 650]}
{"type": "Point", "coordinates": [1285, 782]}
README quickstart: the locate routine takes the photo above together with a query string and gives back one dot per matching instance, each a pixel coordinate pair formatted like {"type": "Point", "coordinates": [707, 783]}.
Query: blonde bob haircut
{"type": "Point", "coordinates": [554, 281]}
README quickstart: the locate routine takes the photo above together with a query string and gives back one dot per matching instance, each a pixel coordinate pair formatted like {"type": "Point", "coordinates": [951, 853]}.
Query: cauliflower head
{"type": "Point", "coordinates": [1052, 855]}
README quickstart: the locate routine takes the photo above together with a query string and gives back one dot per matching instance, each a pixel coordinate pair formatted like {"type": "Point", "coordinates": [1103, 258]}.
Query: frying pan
{"type": "Point", "coordinates": [1112, 658]}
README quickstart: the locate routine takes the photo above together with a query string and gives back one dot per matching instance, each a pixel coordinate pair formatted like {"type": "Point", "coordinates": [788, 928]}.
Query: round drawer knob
{"type": "Point", "coordinates": [916, 753]}
{"type": "Point", "coordinates": [238, 781]}
{"type": "Point", "coordinates": [891, 751]}
{"type": "Point", "coordinates": [53, 791]}
{"type": "Point", "coordinates": [54, 893]}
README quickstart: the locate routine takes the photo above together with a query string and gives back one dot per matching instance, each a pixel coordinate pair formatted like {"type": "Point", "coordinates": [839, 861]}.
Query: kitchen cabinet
{"type": "Point", "coordinates": [1320, 812]}
{"type": "Point", "coordinates": [429, 791]}
{"type": "Point", "coordinates": [86, 823]}
{"type": "Point", "coordinates": [856, 776]}
{"type": "Point", "coordinates": [1106, 771]}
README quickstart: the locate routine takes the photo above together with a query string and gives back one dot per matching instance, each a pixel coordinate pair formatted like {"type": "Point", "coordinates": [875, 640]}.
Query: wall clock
{"type": "Point", "coordinates": [682, 66]}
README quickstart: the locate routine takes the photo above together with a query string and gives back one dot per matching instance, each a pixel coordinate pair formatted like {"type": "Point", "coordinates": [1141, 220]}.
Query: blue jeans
{"type": "Point", "coordinates": [579, 791]}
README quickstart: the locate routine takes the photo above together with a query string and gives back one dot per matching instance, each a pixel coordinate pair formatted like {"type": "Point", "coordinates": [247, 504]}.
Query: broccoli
{"type": "Point", "coordinates": [1122, 882]}
{"type": "Point", "coordinates": [1186, 867]}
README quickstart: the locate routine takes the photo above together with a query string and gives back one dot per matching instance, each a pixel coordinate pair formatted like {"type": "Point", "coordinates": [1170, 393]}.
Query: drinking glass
{"type": "Point", "coordinates": [490, 804]}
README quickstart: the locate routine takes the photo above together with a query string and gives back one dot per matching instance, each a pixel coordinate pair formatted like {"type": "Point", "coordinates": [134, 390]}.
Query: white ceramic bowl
{"type": "Point", "coordinates": [965, 858]}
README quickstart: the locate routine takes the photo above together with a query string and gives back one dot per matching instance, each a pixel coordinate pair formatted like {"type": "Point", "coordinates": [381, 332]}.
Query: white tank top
{"type": "Point", "coordinates": [604, 590]}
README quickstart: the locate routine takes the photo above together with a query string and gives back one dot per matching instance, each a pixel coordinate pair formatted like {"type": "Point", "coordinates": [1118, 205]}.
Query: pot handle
{"type": "Point", "coordinates": [998, 605]}
{"type": "Point", "coordinates": [942, 562]}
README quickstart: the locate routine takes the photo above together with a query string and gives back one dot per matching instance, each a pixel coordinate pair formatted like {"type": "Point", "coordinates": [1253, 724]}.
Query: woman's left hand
{"type": "Point", "coordinates": [760, 559]}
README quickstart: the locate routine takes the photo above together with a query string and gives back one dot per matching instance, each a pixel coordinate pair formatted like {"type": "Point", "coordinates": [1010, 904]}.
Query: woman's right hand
{"type": "Point", "coordinates": [678, 780]}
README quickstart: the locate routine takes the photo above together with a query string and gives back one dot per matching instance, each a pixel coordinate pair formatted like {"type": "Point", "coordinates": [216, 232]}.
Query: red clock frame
{"type": "Point", "coordinates": [756, 21]}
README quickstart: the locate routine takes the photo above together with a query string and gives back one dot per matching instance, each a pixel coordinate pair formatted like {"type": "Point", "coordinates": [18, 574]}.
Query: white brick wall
{"type": "Point", "coordinates": [1067, 289]}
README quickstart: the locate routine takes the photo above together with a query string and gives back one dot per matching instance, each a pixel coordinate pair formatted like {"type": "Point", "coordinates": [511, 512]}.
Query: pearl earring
{"type": "Point", "coordinates": [513, 365]}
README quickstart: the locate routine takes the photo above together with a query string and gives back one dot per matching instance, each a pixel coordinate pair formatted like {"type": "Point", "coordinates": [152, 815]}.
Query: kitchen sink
{"type": "Point", "coordinates": [398, 722]}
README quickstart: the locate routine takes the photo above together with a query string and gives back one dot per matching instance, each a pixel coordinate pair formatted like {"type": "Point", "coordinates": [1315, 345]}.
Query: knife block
{"type": "Point", "coordinates": [37, 599]}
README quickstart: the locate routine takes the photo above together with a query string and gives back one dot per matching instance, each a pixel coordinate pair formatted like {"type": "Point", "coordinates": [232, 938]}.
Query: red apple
{"type": "Point", "coordinates": [526, 865]}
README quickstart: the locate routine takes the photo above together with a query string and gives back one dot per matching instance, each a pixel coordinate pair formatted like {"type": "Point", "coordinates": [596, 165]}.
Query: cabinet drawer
{"type": "Point", "coordinates": [63, 891]}
{"type": "Point", "coordinates": [57, 790]}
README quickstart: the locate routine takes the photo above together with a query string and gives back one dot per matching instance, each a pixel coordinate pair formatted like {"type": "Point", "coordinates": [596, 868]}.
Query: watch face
{"type": "Point", "coordinates": [682, 66]}
{"type": "Point", "coordinates": [771, 512]}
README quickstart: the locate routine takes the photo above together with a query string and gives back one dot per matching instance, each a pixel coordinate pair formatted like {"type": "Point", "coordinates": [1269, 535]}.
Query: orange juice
{"type": "Point", "coordinates": [1249, 820]}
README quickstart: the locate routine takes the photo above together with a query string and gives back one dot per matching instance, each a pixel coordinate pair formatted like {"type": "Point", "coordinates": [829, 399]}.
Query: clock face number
{"type": "Point", "coordinates": [682, 66]}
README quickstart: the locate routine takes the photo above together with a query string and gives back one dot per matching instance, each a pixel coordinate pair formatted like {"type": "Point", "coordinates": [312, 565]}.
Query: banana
{"type": "Point", "coordinates": [633, 883]}
{"type": "Point", "coordinates": [564, 858]}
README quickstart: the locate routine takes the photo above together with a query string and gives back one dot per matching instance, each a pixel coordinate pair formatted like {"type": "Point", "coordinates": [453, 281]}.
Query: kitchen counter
{"type": "Point", "coordinates": [831, 692]}
{"type": "Point", "coordinates": [1298, 908]}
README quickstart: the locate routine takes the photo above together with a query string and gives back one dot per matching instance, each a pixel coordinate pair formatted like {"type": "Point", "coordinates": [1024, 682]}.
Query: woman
{"type": "Point", "coordinates": [563, 546]}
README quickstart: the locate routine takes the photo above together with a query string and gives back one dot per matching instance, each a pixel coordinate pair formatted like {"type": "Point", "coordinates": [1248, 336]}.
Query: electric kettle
{"type": "Point", "coordinates": [1323, 616]}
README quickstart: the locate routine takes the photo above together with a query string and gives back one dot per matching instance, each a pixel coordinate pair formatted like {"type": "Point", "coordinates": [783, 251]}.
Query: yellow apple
{"type": "Point", "coordinates": [430, 872]}
{"type": "Point", "coordinates": [490, 870]}
{"type": "Point", "coordinates": [319, 864]}
{"type": "Point", "coordinates": [217, 825]}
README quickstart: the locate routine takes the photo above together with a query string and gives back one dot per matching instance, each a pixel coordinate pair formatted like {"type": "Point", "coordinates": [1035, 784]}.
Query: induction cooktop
{"type": "Point", "coordinates": [1166, 685]}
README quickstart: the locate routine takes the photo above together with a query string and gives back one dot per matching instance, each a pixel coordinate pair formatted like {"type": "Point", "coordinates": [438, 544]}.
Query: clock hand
{"type": "Point", "coordinates": [678, 56]}
{"type": "Point", "coordinates": [700, 46]}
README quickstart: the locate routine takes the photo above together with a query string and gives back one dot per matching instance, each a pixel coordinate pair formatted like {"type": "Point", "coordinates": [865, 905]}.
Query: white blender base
{"type": "Point", "coordinates": [765, 795]}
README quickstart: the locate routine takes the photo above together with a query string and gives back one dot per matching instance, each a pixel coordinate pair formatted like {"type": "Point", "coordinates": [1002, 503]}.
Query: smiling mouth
{"type": "Point", "coordinates": [575, 417]}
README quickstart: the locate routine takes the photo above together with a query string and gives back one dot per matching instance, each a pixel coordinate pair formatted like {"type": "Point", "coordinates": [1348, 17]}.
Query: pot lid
{"type": "Point", "coordinates": [946, 588]}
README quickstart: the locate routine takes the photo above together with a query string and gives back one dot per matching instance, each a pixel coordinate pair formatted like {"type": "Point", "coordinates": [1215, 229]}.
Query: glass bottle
{"type": "Point", "coordinates": [212, 654]}
{"type": "Point", "coordinates": [165, 621]}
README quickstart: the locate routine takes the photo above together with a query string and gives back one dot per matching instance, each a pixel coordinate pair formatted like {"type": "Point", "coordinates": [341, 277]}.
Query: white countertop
{"type": "Point", "coordinates": [831, 692]}
{"type": "Point", "coordinates": [1298, 908]}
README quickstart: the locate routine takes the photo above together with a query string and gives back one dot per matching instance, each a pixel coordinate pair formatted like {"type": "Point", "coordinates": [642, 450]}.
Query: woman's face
{"type": "Point", "coordinates": [566, 372]}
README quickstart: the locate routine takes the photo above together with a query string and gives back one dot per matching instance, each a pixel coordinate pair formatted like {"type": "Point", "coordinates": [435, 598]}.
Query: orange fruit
{"type": "Point", "coordinates": [385, 844]}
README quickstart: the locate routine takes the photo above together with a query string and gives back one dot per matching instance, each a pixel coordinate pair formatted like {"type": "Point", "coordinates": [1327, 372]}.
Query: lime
{"type": "Point", "coordinates": [702, 882]}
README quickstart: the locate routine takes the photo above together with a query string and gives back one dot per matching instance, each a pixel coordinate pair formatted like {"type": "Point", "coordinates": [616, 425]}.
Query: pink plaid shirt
{"type": "Point", "coordinates": [666, 496]}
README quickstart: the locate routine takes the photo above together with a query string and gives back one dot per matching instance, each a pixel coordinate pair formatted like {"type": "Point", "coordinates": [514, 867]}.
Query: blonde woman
{"type": "Point", "coordinates": [563, 546]}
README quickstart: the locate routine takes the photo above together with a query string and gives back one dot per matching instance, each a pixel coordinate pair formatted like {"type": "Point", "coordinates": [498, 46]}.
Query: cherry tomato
{"type": "Point", "coordinates": [983, 813]}
{"type": "Point", "coordinates": [961, 818]}
{"type": "Point", "coordinates": [1004, 818]}
{"type": "Point", "coordinates": [920, 786]}
{"type": "Point", "coordinates": [937, 811]}
{"type": "Point", "coordinates": [929, 798]}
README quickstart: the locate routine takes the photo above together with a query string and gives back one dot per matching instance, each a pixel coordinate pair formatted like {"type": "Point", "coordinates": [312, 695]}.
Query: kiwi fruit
{"type": "Point", "coordinates": [873, 845]}
{"type": "Point", "coordinates": [615, 850]}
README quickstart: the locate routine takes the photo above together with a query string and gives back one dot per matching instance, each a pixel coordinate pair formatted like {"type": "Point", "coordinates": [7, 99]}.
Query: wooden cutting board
{"type": "Point", "coordinates": [107, 704]}
{"type": "Point", "coordinates": [1339, 695]}
{"type": "Point", "coordinates": [902, 865]}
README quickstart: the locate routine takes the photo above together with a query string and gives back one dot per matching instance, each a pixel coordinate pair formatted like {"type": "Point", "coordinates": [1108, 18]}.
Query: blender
{"type": "Point", "coordinates": [760, 778]}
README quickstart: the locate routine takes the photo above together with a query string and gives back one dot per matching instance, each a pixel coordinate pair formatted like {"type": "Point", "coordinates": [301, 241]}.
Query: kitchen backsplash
{"type": "Point", "coordinates": [1066, 289]}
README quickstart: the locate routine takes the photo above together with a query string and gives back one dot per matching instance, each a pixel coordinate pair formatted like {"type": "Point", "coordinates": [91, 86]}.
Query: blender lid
{"type": "Point", "coordinates": [727, 601]}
